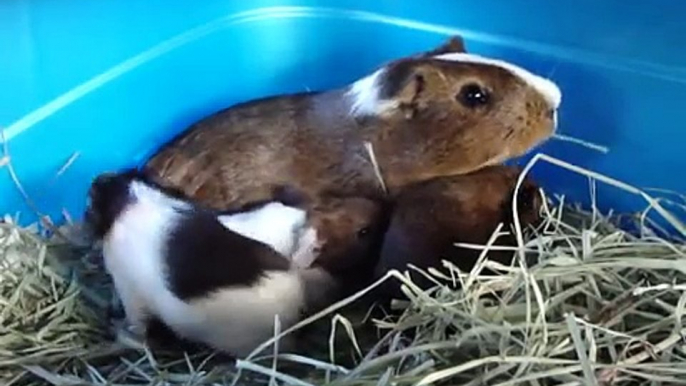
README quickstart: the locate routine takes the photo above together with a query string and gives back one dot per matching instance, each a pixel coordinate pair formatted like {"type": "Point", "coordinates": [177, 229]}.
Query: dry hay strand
{"type": "Point", "coordinates": [584, 303]}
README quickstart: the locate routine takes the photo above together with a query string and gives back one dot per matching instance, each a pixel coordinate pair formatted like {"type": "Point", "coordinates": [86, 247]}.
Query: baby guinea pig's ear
{"type": "Point", "coordinates": [453, 44]}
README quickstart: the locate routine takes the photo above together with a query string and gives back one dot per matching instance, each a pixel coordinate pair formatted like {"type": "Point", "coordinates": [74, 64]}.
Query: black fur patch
{"type": "Point", "coordinates": [109, 196]}
{"type": "Point", "coordinates": [203, 256]}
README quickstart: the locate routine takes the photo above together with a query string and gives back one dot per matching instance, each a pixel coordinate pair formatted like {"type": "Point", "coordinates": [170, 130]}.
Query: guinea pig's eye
{"type": "Point", "coordinates": [472, 95]}
{"type": "Point", "coordinates": [363, 232]}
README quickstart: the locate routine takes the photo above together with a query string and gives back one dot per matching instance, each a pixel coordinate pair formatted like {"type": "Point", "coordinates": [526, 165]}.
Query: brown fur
{"type": "Point", "coordinates": [311, 140]}
{"type": "Point", "coordinates": [341, 222]}
{"type": "Point", "coordinates": [430, 217]}
{"type": "Point", "coordinates": [350, 232]}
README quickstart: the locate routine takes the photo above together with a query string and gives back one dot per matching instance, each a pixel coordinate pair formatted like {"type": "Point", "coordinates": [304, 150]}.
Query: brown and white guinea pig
{"type": "Point", "coordinates": [214, 282]}
{"type": "Point", "coordinates": [430, 217]}
{"type": "Point", "coordinates": [442, 112]}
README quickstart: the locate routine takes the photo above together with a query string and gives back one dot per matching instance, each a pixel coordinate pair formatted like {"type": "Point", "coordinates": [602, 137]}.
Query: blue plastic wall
{"type": "Point", "coordinates": [110, 80]}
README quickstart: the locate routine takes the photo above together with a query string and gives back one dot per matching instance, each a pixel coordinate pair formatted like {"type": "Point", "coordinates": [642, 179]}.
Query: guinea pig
{"type": "Point", "coordinates": [438, 113]}
{"type": "Point", "coordinates": [209, 278]}
{"type": "Point", "coordinates": [430, 217]}
{"type": "Point", "coordinates": [349, 232]}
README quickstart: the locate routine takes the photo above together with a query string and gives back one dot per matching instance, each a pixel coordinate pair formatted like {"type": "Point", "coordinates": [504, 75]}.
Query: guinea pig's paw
{"type": "Point", "coordinates": [136, 330]}
{"type": "Point", "coordinates": [128, 335]}
{"type": "Point", "coordinates": [126, 326]}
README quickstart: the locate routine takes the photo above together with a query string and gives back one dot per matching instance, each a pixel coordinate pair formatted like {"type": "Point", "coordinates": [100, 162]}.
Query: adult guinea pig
{"type": "Point", "coordinates": [443, 112]}
{"type": "Point", "coordinates": [220, 283]}
{"type": "Point", "coordinates": [430, 217]}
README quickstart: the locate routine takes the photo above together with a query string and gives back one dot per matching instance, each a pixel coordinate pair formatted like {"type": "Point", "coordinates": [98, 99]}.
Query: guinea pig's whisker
{"type": "Point", "coordinates": [275, 360]}
{"type": "Point", "coordinates": [590, 145]}
{"type": "Point", "coordinates": [425, 274]}
{"type": "Point", "coordinates": [370, 150]}
{"type": "Point", "coordinates": [554, 69]}
{"type": "Point", "coordinates": [443, 78]}
{"type": "Point", "coordinates": [478, 266]}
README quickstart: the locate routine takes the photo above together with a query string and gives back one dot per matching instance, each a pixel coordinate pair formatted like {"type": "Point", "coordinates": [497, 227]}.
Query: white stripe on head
{"type": "Point", "coordinates": [550, 91]}
{"type": "Point", "coordinates": [364, 95]}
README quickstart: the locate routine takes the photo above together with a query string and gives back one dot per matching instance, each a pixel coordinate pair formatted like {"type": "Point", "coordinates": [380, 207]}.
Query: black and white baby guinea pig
{"type": "Point", "coordinates": [210, 281]}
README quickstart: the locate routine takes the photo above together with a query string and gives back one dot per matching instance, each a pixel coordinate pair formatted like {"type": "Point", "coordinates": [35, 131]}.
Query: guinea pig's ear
{"type": "Point", "coordinates": [403, 83]}
{"type": "Point", "coordinates": [454, 44]}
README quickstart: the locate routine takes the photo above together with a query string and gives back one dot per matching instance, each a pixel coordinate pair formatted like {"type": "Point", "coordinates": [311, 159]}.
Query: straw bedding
{"type": "Point", "coordinates": [585, 303]}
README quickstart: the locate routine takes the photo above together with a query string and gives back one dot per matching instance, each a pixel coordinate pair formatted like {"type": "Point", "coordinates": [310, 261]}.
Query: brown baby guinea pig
{"type": "Point", "coordinates": [437, 113]}
{"type": "Point", "coordinates": [430, 217]}
{"type": "Point", "coordinates": [346, 242]}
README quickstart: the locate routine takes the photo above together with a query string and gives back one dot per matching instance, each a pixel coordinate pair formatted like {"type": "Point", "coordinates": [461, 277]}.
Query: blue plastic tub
{"type": "Point", "coordinates": [110, 80]}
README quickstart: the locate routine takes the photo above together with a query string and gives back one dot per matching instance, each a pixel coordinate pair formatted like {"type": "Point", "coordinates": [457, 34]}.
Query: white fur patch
{"type": "Point", "coordinates": [307, 249]}
{"type": "Point", "coordinates": [550, 91]}
{"type": "Point", "coordinates": [364, 96]}
{"type": "Point", "coordinates": [274, 224]}
{"type": "Point", "coordinates": [133, 252]}
{"type": "Point", "coordinates": [232, 319]}
{"type": "Point", "coordinates": [239, 319]}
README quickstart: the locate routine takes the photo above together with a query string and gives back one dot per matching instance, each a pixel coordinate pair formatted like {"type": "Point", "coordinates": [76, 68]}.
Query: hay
{"type": "Point", "coordinates": [585, 303]}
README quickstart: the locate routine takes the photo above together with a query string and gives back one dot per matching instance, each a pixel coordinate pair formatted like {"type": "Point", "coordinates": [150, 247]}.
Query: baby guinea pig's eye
{"type": "Point", "coordinates": [363, 232]}
{"type": "Point", "coordinates": [472, 95]}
